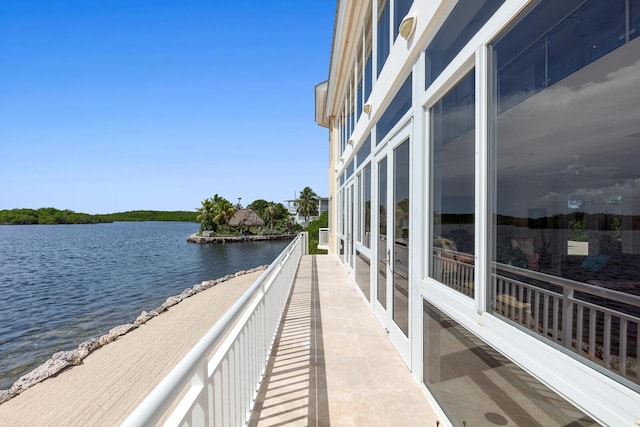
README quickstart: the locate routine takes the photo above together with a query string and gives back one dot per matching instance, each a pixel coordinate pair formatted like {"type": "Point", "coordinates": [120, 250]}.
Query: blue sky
{"type": "Point", "coordinates": [109, 106]}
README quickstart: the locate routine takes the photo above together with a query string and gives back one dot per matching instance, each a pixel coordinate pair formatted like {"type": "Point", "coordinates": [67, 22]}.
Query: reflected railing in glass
{"type": "Point", "coordinates": [454, 269]}
{"type": "Point", "coordinates": [597, 324]}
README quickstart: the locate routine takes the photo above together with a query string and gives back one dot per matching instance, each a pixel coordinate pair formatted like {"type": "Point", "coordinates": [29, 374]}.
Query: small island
{"type": "Point", "coordinates": [222, 222]}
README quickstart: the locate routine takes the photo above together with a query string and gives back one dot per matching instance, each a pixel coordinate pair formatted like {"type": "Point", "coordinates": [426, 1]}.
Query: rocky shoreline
{"type": "Point", "coordinates": [194, 238]}
{"type": "Point", "coordinates": [66, 359]}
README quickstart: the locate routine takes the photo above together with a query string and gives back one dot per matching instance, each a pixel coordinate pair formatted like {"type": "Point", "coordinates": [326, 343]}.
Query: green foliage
{"type": "Point", "coordinates": [47, 216]}
{"type": "Point", "coordinates": [513, 256]}
{"type": "Point", "coordinates": [578, 230]}
{"type": "Point", "coordinates": [258, 206]}
{"type": "Point", "coordinates": [314, 234]}
{"type": "Point", "coordinates": [275, 216]}
{"type": "Point", "coordinates": [56, 216]}
{"type": "Point", "coordinates": [137, 216]}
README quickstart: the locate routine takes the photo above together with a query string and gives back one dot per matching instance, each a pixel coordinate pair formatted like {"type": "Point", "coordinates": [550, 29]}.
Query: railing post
{"type": "Point", "coordinates": [305, 247]}
{"type": "Point", "coordinates": [567, 316]}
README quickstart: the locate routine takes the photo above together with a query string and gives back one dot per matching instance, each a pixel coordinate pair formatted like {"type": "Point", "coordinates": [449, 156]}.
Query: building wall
{"type": "Point", "coordinates": [500, 152]}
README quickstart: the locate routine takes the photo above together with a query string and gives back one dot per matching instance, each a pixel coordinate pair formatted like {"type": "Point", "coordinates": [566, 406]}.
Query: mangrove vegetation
{"type": "Point", "coordinates": [66, 216]}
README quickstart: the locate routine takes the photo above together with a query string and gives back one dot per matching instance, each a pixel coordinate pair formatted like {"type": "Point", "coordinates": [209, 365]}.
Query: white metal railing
{"type": "Point", "coordinates": [600, 324]}
{"type": "Point", "coordinates": [323, 238]}
{"type": "Point", "coordinates": [217, 382]}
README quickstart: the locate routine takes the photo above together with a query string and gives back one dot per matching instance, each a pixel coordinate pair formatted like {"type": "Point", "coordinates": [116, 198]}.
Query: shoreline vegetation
{"type": "Point", "coordinates": [197, 238]}
{"type": "Point", "coordinates": [49, 216]}
{"type": "Point", "coordinates": [66, 359]}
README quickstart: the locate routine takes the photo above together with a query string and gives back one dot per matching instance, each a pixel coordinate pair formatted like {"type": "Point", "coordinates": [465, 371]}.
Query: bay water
{"type": "Point", "coordinates": [63, 284]}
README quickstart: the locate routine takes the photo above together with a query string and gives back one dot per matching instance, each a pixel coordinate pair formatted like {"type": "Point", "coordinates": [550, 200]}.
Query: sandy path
{"type": "Point", "coordinates": [114, 379]}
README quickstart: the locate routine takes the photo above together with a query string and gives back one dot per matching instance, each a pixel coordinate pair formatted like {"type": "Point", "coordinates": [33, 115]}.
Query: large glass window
{"type": "Point", "coordinates": [363, 151]}
{"type": "Point", "coordinates": [368, 62]}
{"type": "Point", "coordinates": [341, 139]}
{"type": "Point", "coordinates": [556, 42]}
{"type": "Point", "coordinates": [363, 276]}
{"type": "Point", "coordinates": [464, 21]}
{"type": "Point", "coordinates": [476, 385]}
{"type": "Point", "coordinates": [349, 170]}
{"type": "Point", "coordinates": [382, 234]}
{"type": "Point", "coordinates": [634, 20]}
{"type": "Point", "coordinates": [350, 110]}
{"type": "Point", "coordinates": [453, 187]}
{"type": "Point", "coordinates": [400, 104]}
{"type": "Point", "coordinates": [366, 199]}
{"type": "Point", "coordinates": [566, 210]}
{"type": "Point", "coordinates": [384, 35]}
{"type": "Point", "coordinates": [401, 210]}
{"type": "Point", "coordinates": [358, 99]}
{"type": "Point", "coordinates": [400, 10]}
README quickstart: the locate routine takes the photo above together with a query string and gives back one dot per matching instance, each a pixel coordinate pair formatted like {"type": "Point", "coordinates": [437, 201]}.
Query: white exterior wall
{"type": "Point", "coordinates": [601, 397]}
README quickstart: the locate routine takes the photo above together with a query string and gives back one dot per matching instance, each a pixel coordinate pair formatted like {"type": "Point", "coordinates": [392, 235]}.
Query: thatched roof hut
{"type": "Point", "coordinates": [246, 218]}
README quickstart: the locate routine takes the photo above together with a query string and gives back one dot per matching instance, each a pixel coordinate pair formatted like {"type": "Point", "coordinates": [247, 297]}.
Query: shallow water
{"type": "Point", "coordinates": [63, 284]}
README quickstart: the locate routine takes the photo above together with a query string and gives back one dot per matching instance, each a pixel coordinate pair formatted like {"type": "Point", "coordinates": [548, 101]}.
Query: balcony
{"type": "Point", "coordinates": [331, 364]}
{"type": "Point", "coordinates": [326, 364]}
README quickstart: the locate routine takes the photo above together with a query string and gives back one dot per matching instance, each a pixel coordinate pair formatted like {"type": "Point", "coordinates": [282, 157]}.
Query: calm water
{"type": "Point", "coordinates": [63, 284]}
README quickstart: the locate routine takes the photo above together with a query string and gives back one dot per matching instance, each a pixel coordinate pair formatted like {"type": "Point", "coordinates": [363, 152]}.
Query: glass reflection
{"type": "Point", "coordinates": [566, 239]}
{"type": "Point", "coordinates": [384, 42]}
{"type": "Point", "coordinates": [400, 104]}
{"type": "Point", "coordinates": [363, 269]}
{"type": "Point", "coordinates": [464, 22]}
{"type": "Point", "coordinates": [382, 233]}
{"type": "Point", "coordinates": [477, 386]}
{"type": "Point", "coordinates": [400, 10]}
{"type": "Point", "coordinates": [453, 187]}
{"type": "Point", "coordinates": [401, 237]}
{"type": "Point", "coordinates": [366, 220]}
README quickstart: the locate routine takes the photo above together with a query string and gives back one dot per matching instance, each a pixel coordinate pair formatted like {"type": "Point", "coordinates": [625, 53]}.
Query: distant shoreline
{"type": "Point", "coordinates": [51, 216]}
{"type": "Point", "coordinates": [194, 238]}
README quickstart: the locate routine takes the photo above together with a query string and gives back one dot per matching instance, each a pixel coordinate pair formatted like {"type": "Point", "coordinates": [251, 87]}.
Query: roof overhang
{"type": "Point", "coordinates": [321, 103]}
{"type": "Point", "coordinates": [347, 35]}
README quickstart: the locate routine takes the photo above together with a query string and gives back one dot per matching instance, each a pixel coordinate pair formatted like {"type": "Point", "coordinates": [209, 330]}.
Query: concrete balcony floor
{"type": "Point", "coordinates": [332, 362]}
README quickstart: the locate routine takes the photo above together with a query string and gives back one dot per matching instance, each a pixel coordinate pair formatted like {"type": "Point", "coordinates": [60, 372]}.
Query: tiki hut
{"type": "Point", "coordinates": [245, 218]}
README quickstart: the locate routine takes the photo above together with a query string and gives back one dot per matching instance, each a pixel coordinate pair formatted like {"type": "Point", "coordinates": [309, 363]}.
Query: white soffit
{"type": "Point", "coordinates": [321, 104]}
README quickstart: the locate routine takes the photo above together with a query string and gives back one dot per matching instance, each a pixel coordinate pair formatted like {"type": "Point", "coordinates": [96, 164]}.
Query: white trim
{"type": "Point", "coordinates": [482, 214]}
{"type": "Point", "coordinates": [417, 222]}
{"type": "Point", "coordinates": [403, 134]}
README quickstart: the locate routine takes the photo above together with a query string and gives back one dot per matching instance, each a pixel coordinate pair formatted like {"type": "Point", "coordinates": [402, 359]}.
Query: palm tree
{"type": "Point", "coordinates": [223, 210]}
{"type": "Point", "coordinates": [307, 204]}
{"type": "Point", "coordinates": [402, 218]}
{"type": "Point", "coordinates": [205, 216]}
{"type": "Point", "coordinates": [270, 212]}
{"type": "Point", "coordinates": [215, 212]}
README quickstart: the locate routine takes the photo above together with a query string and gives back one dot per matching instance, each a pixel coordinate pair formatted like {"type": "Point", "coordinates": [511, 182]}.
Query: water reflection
{"type": "Point", "coordinates": [567, 182]}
